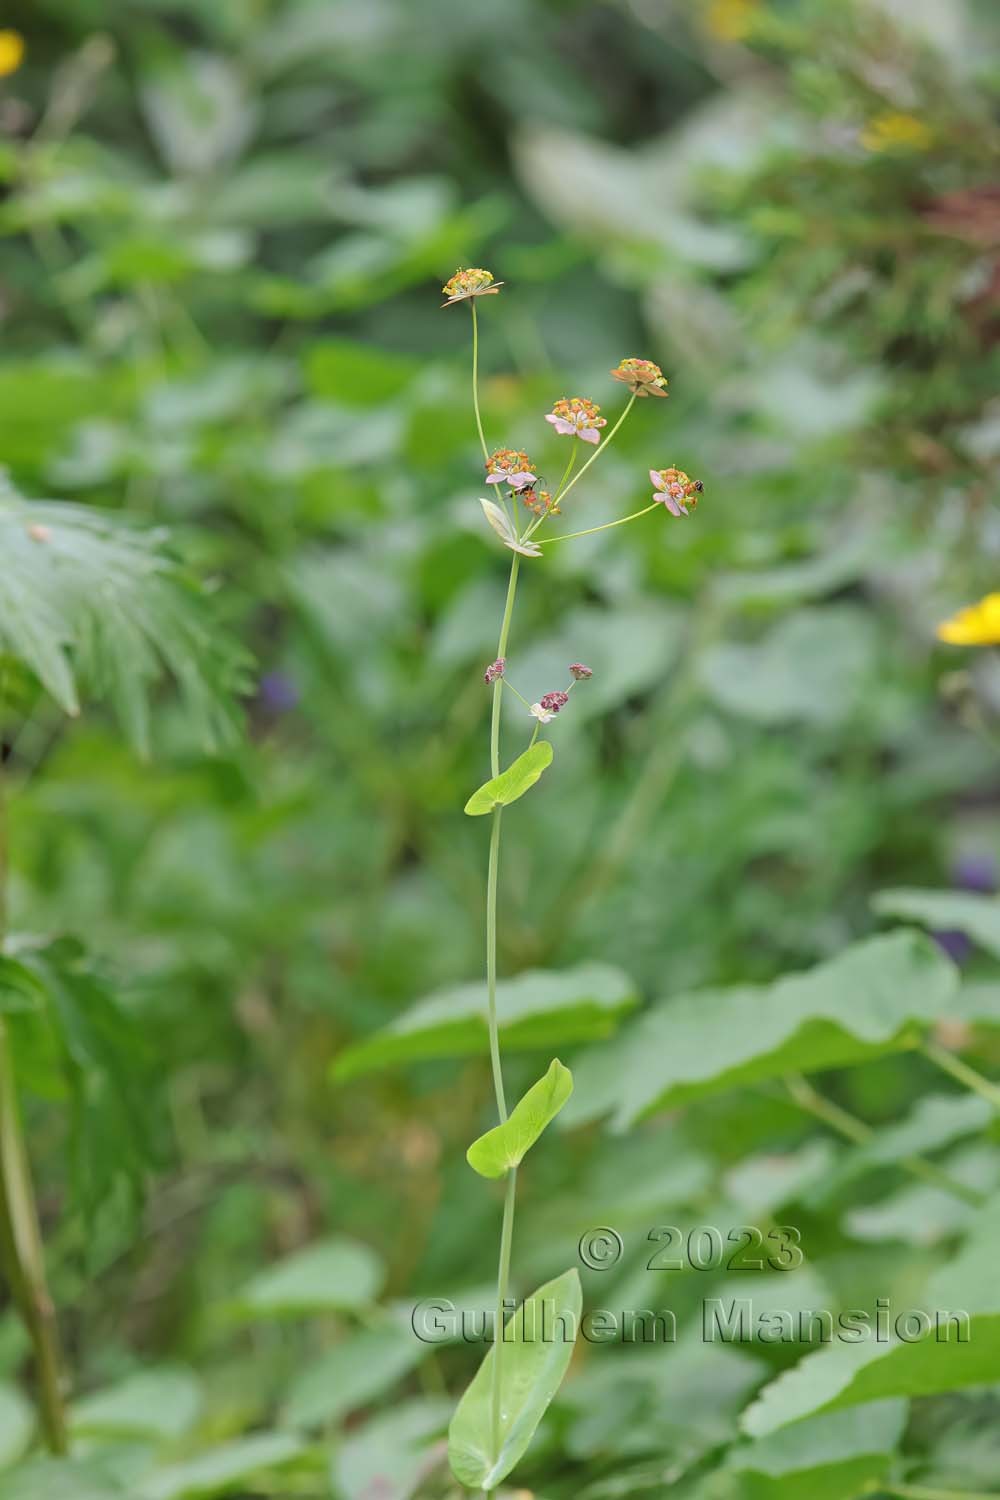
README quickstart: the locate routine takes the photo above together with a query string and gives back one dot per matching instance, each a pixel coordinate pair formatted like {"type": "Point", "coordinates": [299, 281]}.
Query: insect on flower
{"type": "Point", "coordinates": [475, 282]}
{"type": "Point", "coordinates": [510, 466]}
{"type": "Point", "coordinates": [676, 489]}
{"type": "Point", "coordinates": [642, 377]}
{"type": "Point", "coordinates": [574, 416]}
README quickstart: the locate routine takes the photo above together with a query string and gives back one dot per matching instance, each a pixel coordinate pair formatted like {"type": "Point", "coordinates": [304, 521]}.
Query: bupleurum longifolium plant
{"type": "Point", "coordinates": [525, 1365]}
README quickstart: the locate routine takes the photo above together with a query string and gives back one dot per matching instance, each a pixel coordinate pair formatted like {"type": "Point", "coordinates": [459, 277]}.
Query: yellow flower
{"type": "Point", "coordinates": [731, 20]}
{"type": "Point", "coordinates": [11, 52]}
{"type": "Point", "coordinates": [978, 625]}
{"type": "Point", "coordinates": [894, 131]}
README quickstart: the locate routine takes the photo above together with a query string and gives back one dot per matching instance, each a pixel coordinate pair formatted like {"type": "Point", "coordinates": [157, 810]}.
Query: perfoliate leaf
{"type": "Point", "coordinates": [518, 778]}
{"type": "Point", "coordinates": [539, 1008]}
{"type": "Point", "coordinates": [499, 520]}
{"type": "Point", "coordinates": [506, 1145]}
{"type": "Point", "coordinates": [877, 996]}
{"type": "Point", "coordinates": [536, 1348]}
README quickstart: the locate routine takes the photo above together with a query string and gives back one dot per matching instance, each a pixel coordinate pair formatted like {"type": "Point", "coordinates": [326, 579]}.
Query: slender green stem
{"type": "Point", "coordinates": [853, 1129]}
{"type": "Point", "coordinates": [20, 1236]}
{"type": "Point", "coordinates": [511, 688]}
{"type": "Point", "coordinates": [580, 472]}
{"type": "Point", "coordinates": [508, 611]}
{"type": "Point", "coordinates": [475, 379]}
{"type": "Point", "coordinates": [957, 1069]}
{"type": "Point", "coordinates": [503, 1280]}
{"type": "Point", "coordinates": [570, 535]}
{"type": "Point", "coordinates": [491, 961]}
{"type": "Point", "coordinates": [573, 451]}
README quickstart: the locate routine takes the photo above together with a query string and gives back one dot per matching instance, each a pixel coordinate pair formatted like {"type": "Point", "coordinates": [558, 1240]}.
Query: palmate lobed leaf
{"type": "Point", "coordinates": [878, 996]}
{"type": "Point", "coordinates": [539, 1008]}
{"type": "Point", "coordinates": [506, 1145]}
{"type": "Point", "coordinates": [519, 777]}
{"type": "Point", "coordinates": [94, 1053]}
{"type": "Point", "coordinates": [535, 1356]}
{"type": "Point", "coordinates": [92, 604]}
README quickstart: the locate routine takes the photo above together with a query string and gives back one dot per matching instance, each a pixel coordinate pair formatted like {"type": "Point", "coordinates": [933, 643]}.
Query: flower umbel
{"type": "Point", "coordinates": [676, 489]}
{"type": "Point", "coordinates": [642, 377]}
{"type": "Point", "coordinates": [579, 672]}
{"type": "Point", "coordinates": [510, 466]}
{"type": "Point", "coordinates": [495, 670]}
{"type": "Point", "coordinates": [538, 501]}
{"type": "Point", "coordinates": [574, 416]}
{"type": "Point", "coordinates": [978, 625]}
{"type": "Point", "coordinates": [476, 282]}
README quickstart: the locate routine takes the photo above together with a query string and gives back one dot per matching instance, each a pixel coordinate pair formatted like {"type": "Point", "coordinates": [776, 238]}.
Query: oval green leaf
{"type": "Point", "coordinates": [506, 1145]}
{"type": "Point", "coordinates": [518, 778]}
{"type": "Point", "coordinates": [537, 1345]}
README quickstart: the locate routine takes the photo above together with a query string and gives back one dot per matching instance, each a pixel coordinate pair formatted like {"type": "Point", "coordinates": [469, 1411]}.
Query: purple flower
{"type": "Point", "coordinates": [975, 872]}
{"type": "Point", "coordinates": [579, 672]}
{"type": "Point", "coordinates": [553, 702]}
{"type": "Point", "coordinates": [954, 943]}
{"type": "Point", "coordinates": [495, 670]}
{"type": "Point", "coordinates": [278, 692]}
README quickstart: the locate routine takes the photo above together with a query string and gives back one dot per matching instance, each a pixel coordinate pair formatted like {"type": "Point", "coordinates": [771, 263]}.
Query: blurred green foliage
{"type": "Point", "coordinates": [224, 229]}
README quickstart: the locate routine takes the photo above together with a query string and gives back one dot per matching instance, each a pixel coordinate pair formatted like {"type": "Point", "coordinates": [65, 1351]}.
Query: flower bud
{"type": "Point", "coordinates": [495, 670]}
{"type": "Point", "coordinates": [579, 672]}
{"type": "Point", "coordinates": [553, 702]}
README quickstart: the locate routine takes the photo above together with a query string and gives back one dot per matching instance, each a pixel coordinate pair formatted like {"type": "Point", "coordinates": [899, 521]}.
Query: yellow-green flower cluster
{"type": "Point", "coordinates": [642, 377]}
{"type": "Point", "coordinates": [475, 282]}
